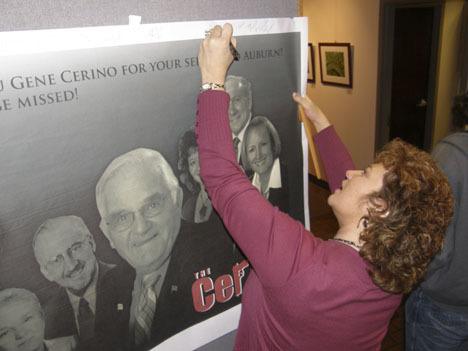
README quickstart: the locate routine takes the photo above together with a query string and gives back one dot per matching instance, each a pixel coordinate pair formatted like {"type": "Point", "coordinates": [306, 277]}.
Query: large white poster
{"type": "Point", "coordinates": [108, 238]}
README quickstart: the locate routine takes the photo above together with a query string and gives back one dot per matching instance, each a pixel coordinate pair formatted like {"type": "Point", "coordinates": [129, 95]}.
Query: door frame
{"type": "Point", "coordinates": [385, 68]}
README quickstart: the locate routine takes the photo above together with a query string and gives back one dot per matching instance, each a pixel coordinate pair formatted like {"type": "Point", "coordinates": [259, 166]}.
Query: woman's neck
{"type": "Point", "coordinates": [350, 232]}
{"type": "Point", "coordinates": [265, 179]}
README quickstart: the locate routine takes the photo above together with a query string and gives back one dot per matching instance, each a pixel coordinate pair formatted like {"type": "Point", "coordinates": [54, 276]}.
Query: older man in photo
{"type": "Point", "coordinates": [93, 301]}
{"type": "Point", "coordinates": [240, 109]}
{"type": "Point", "coordinates": [140, 200]}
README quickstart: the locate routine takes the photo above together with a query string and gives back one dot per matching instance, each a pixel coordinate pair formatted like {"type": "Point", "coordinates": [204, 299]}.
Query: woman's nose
{"type": "Point", "coordinates": [351, 173]}
{"type": "Point", "coordinates": [261, 152]}
{"type": "Point", "coordinates": [258, 153]}
{"type": "Point", "coordinates": [20, 334]}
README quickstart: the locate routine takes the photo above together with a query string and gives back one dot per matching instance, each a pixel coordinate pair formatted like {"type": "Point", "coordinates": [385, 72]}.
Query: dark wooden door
{"type": "Point", "coordinates": [413, 34]}
{"type": "Point", "coordinates": [409, 41]}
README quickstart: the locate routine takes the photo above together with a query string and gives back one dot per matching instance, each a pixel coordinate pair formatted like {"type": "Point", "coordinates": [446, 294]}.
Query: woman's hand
{"type": "Point", "coordinates": [312, 112]}
{"type": "Point", "coordinates": [214, 56]}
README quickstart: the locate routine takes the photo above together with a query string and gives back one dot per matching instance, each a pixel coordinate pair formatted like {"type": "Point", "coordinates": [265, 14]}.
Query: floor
{"type": "Point", "coordinates": [323, 224]}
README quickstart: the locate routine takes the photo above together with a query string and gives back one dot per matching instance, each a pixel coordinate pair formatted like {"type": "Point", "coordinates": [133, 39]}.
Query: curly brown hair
{"type": "Point", "coordinates": [404, 234]}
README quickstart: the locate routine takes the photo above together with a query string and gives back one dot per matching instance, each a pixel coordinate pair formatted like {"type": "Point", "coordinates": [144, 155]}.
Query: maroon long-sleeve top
{"type": "Point", "coordinates": [302, 293]}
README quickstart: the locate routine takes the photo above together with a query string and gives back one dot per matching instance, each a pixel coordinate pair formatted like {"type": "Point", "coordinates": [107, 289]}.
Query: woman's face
{"type": "Point", "coordinates": [259, 150]}
{"type": "Point", "coordinates": [193, 164]}
{"type": "Point", "coordinates": [351, 199]}
{"type": "Point", "coordinates": [21, 327]}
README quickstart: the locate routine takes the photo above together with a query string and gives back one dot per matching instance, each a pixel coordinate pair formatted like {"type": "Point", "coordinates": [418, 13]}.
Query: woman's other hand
{"type": "Point", "coordinates": [312, 112]}
{"type": "Point", "coordinates": [214, 56]}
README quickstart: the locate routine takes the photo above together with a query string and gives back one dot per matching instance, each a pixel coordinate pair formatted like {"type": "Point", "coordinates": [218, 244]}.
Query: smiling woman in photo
{"type": "Point", "coordinates": [260, 154]}
{"type": "Point", "coordinates": [22, 324]}
{"type": "Point", "coordinates": [197, 207]}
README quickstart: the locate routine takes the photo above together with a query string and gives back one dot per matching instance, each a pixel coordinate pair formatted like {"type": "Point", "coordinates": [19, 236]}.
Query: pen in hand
{"type": "Point", "coordinates": [234, 52]}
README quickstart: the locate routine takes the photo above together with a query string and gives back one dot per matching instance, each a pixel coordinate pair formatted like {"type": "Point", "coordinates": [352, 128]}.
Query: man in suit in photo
{"type": "Point", "coordinates": [140, 203]}
{"type": "Point", "coordinates": [240, 109]}
{"type": "Point", "coordinates": [93, 301]}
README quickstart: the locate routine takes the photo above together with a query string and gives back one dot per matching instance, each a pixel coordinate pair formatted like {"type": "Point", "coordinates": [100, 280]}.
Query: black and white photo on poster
{"type": "Point", "coordinates": [107, 232]}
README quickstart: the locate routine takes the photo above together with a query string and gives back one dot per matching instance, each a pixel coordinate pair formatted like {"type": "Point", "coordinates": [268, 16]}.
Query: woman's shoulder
{"type": "Point", "coordinates": [329, 266]}
{"type": "Point", "coordinates": [344, 262]}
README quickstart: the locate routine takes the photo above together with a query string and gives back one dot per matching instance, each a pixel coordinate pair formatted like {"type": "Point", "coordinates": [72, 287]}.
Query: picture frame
{"type": "Point", "coordinates": [335, 64]}
{"type": "Point", "coordinates": [311, 65]}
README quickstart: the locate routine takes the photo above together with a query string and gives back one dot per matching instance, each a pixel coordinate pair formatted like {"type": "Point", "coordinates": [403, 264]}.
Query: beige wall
{"type": "Point", "coordinates": [446, 72]}
{"type": "Point", "coordinates": [352, 111]}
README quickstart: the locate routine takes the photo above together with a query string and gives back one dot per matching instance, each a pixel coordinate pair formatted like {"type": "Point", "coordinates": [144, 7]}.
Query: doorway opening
{"type": "Point", "coordinates": [409, 39]}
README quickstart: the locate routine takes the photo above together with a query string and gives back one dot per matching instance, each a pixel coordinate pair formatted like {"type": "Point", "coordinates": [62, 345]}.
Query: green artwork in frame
{"type": "Point", "coordinates": [335, 64]}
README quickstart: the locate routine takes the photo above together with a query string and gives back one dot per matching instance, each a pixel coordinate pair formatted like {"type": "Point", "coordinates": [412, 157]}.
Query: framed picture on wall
{"type": "Point", "coordinates": [335, 64]}
{"type": "Point", "coordinates": [311, 65]}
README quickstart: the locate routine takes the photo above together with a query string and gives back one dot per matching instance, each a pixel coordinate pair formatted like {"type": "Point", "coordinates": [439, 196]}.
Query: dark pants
{"type": "Point", "coordinates": [430, 327]}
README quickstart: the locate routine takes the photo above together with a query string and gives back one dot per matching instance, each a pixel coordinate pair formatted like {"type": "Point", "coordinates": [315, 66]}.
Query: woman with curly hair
{"type": "Point", "coordinates": [304, 293]}
{"type": "Point", "coordinates": [197, 207]}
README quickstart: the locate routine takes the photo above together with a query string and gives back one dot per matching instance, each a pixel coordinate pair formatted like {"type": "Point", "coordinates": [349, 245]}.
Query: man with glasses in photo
{"type": "Point", "coordinates": [94, 297]}
{"type": "Point", "coordinates": [140, 203]}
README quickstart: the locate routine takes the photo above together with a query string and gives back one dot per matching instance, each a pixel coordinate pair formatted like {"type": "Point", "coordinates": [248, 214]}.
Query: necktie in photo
{"type": "Point", "coordinates": [236, 142]}
{"type": "Point", "coordinates": [85, 321]}
{"type": "Point", "coordinates": [145, 311]}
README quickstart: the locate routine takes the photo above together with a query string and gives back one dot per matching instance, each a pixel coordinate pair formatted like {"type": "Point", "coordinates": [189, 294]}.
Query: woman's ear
{"type": "Point", "coordinates": [379, 206]}
{"type": "Point", "coordinates": [363, 223]}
